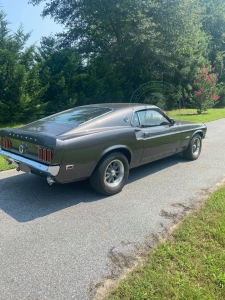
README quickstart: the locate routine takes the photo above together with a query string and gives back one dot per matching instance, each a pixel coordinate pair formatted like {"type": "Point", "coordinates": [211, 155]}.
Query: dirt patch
{"type": "Point", "coordinates": [168, 215]}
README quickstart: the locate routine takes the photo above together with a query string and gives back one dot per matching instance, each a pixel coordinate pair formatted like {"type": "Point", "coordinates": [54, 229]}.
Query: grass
{"type": "Point", "coordinates": [191, 265]}
{"type": "Point", "coordinates": [4, 166]}
{"type": "Point", "coordinates": [192, 115]}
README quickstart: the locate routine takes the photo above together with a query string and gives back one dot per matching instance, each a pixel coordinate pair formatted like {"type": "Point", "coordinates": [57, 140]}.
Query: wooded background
{"type": "Point", "coordinates": [108, 50]}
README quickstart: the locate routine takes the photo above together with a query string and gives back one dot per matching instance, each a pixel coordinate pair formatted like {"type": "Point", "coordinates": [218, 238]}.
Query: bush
{"type": "Point", "coordinates": [205, 95]}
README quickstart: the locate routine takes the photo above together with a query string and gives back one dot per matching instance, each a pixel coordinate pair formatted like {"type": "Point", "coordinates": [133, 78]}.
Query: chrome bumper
{"type": "Point", "coordinates": [17, 160]}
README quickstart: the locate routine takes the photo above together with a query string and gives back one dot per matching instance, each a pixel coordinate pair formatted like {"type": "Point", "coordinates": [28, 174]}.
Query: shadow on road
{"type": "Point", "coordinates": [26, 197]}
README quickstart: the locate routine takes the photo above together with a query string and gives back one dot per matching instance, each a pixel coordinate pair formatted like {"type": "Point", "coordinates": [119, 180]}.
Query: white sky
{"type": "Point", "coordinates": [20, 12]}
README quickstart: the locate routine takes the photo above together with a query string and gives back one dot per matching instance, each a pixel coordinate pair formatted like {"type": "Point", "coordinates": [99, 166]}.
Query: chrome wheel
{"type": "Point", "coordinates": [193, 150]}
{"type": "Point", "coordinates": [111, 173]}
{"type": "Point", "coordinates": [196, 146]}
{"type": "Point", "coordinates": [114, 173]}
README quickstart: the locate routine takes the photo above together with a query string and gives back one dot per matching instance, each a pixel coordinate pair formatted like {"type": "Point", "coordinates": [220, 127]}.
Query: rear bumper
{"type": "Point", "coordinates": [35, 167]}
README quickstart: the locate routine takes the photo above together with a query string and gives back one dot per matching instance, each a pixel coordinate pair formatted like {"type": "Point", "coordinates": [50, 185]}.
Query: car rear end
{"type": "Point", "coordinates": [32, 153]}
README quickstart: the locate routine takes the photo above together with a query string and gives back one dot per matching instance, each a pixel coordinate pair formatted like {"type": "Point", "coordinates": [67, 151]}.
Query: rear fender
{"type": "Point", "coordinates": [120, 148]}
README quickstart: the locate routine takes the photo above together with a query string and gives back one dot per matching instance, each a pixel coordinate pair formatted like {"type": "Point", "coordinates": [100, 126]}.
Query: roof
{"type": "Point", "coordinates": [124, 105]}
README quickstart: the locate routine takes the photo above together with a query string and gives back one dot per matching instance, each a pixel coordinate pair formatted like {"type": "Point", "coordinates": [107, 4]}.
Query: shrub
{"type": "Point", "coordinates": [205, 94]}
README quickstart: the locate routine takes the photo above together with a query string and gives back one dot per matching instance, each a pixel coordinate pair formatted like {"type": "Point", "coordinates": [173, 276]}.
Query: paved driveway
{"type": "Point", "coordinates": [61, 241]}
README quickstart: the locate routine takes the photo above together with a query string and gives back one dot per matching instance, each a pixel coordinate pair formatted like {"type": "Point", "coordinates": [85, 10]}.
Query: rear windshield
{"type": "Point", "coordinates": [78, 116]}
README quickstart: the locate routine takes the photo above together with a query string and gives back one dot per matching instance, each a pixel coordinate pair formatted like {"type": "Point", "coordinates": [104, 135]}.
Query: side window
{"type": "Point", "coordinates": [135, 120]}
{"type": "Point", "coordinates": [151, 117]}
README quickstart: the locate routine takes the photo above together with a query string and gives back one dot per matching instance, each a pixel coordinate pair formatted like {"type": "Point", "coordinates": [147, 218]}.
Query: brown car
{"type": "Point", "coordinates": [100, 142]}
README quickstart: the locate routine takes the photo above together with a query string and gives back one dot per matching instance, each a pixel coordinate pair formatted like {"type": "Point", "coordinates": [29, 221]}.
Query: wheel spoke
{"type": "Point", "coordinates": [114, 173]}
{"type": "Point", "coordinates": [112, 179]}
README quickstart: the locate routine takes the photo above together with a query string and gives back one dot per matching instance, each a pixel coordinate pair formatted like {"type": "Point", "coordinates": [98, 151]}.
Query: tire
{"type": "Point", "coordinates": [111, 173]}
{"type": "Point", "coordinates": [194, 149]}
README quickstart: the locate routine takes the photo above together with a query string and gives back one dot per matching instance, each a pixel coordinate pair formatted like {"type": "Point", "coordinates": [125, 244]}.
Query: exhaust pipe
{"type": "Point", "coordinates": [8, 162]}
{"type": "Point", "coordinates": [50, 180]}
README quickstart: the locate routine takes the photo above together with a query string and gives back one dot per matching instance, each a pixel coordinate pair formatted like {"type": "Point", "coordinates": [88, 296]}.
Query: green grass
{"type": "Point", "coordinates": [192, 115]}
{"type": "Point", "coordinates": [191, 265]}
{"type": "Point", "coordinates": [4, 166]}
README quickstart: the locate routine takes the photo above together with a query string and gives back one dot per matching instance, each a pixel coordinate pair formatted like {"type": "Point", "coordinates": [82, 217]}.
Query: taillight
{"type": "Point", "coordinates": [45, 154]}
{"type": "Point", "coordinates": [5, 143]}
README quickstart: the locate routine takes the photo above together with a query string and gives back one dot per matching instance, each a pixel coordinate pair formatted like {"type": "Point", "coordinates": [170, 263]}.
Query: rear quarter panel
{"type": "Point", "coordinates": [84, 152]}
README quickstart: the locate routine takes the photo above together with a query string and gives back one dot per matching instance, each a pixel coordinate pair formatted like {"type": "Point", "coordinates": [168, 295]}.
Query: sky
{"type": "Point", "coordinates": [20, 12]}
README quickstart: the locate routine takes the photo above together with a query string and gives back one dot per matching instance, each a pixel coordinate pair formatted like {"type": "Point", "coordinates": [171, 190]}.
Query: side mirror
{"type": "Point", "coordinates": [172, 122]}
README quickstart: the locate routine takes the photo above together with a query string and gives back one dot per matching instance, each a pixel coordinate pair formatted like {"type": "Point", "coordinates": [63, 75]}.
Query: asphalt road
{"type": "Point", "coordinates": [63, 241]}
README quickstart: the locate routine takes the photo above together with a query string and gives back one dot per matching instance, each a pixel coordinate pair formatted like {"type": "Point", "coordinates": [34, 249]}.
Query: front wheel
{"type": "Point", "coordinates": [110, 175]}
{"type": "Point", "coordinates": [194, 149]}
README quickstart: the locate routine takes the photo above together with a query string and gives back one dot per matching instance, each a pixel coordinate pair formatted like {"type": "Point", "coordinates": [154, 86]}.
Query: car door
{"type": "Point", "coordinates": [160, 137]}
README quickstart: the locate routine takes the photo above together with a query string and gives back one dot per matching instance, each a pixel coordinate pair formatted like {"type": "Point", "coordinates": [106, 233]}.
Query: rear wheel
{"type": "Point", "coordinates": [110, 175]}
{"type": "Point", "coordinates": [194, 149]}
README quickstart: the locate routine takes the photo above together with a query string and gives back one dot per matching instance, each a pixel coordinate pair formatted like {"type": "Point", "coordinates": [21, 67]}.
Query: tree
{"type": "Point", "coordinates": [59, 71]}
{"type": "Point", "coordinates": [18, 81]}
{"type": "Point", "coordinates": [139, 40]}
{"type": "Point", "coordinates": [213, 24]}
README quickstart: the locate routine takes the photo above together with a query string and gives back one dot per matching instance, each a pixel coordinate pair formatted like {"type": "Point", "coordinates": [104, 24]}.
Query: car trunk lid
{"type": "Point", "coordinates": [28, 144]}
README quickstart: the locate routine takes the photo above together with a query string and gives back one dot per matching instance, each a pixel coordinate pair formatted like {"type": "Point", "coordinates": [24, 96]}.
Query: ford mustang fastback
{"type": "Point", "coordinates": [101, 142]}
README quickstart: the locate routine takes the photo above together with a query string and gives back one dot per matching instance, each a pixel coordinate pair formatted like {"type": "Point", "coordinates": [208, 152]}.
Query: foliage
{"type": "Point", "coordinates": [19, 82]}
{"type": "Point", "coordinates": [59, 75]}
{"type": "Point", "coordinates": [221, 92]}
{"type": "Point", "coordinates": [213, 22]}
{"type": "Point", "coordinates": [138, 41]}
{"type": "Point", "coordinates": [204, 96]}
{"type": "Point", "coordinates": [108, 49]}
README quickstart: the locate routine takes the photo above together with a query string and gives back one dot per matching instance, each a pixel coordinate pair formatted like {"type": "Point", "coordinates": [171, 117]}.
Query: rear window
{"type": "Point", "coordinates": [78, 116]}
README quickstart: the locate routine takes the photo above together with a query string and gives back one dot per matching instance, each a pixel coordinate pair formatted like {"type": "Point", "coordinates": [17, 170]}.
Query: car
{"type": "Point", "coordinates": [101, 142]}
